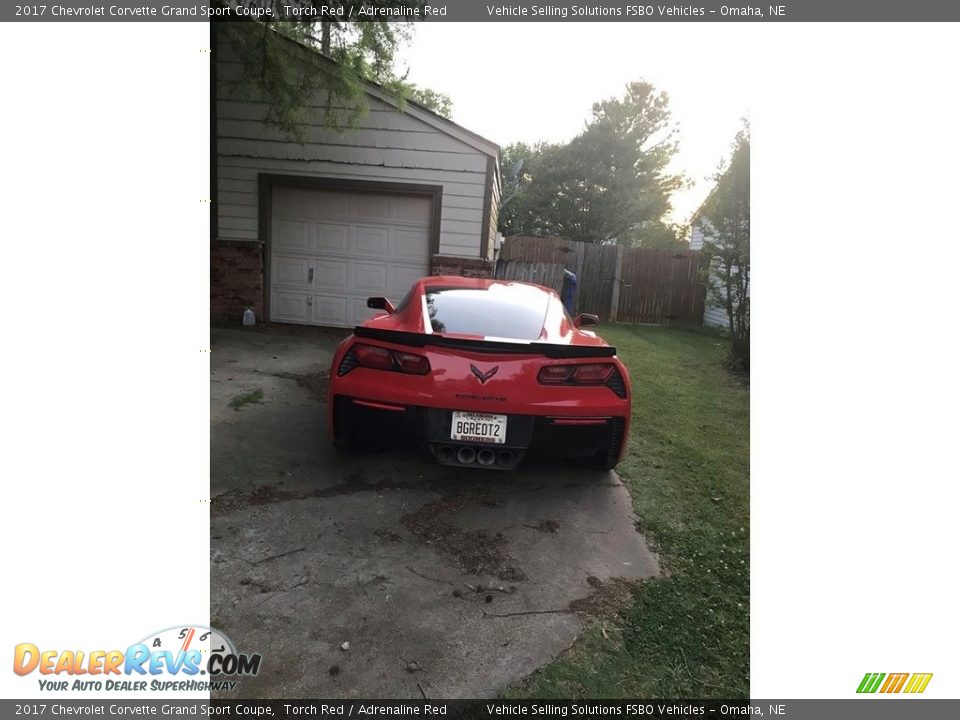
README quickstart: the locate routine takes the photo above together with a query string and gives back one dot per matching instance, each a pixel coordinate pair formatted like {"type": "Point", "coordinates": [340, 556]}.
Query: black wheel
{"type": "Point", "coordinates": [607, 458]}
{"type": "Point", "coordinates": [604, 460]}
{"type": "Point", "coordinates": [342, 434]}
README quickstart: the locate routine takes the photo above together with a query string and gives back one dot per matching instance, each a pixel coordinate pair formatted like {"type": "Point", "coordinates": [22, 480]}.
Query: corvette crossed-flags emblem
{"type": "Point", "coordinates": [484, 376]}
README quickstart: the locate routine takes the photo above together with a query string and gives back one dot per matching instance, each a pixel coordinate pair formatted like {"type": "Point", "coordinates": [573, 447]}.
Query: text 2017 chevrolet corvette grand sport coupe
{"type": "Point", "coordinates": [482, 372]}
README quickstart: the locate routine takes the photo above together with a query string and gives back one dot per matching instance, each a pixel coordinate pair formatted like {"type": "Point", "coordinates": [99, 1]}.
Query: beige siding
{"type": "Point", "coordinates": [386, 146]}
{"type": "Point", "coordinates": [696, 238]}
{"type": "Point", "coordinates": [715, 316]}
{"type": "Point", "coordinates": [494, 209]}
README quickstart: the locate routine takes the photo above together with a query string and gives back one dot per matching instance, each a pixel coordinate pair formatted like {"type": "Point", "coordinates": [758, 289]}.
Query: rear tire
{"type": "Point", "coordinates": [342, 434]}
{"type": "Point", "coordinates": [608, 458]}
{"type": "Point", "coordinates": [603, 461]}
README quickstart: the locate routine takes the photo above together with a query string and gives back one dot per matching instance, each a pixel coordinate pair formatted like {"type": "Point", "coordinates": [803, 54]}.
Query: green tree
{"type": "Point", "coordinates": [607, 181]}
{"type": "Point", "coordinates": [522, 198]}
{"type": "Point", "coordinates": [333, 58]}
{"type": "Point", "coordinates": [725, 218]}
{"type": "Point", "coordinates": [437, 102]}
{"type": "Point", "coordinates": [658, 235]}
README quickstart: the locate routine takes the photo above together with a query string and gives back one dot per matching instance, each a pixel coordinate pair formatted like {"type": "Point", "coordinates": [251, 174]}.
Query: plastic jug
{"type": "Point", "coordinates": [249, 318]}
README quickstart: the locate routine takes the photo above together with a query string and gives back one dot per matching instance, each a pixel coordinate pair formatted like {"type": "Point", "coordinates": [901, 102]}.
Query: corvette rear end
{"type": "Point", "coordinates": [483, 373]}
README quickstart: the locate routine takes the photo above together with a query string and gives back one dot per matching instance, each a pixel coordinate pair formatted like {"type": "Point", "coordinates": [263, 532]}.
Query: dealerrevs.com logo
{"type": "Point", "coordinates": [910, 683]}
{"type": "Point", "coordinates": [182, 659]}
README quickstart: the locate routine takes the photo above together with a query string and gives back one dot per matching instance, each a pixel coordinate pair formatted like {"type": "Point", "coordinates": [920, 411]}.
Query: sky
{"type": "Point", "coordinates": [525, 81]}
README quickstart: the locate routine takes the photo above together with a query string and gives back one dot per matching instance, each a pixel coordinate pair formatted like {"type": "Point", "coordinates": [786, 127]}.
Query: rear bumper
{"type": "Point", "coordinates": [554, 436]}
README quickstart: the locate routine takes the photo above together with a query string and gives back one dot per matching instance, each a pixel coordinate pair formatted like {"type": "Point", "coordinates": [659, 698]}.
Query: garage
{"type": "Point", "coordinates": [309, 224]}
{"type": "Point", "coordinates": [330, 250]}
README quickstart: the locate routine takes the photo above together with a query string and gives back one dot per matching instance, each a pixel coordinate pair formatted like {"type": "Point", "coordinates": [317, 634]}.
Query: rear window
{"type": "Point", "coordinates": [513, 312]}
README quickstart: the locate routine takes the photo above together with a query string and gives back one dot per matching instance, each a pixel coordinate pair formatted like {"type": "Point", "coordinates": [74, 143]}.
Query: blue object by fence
{"type": "Point", "coordinates": [568, 292]}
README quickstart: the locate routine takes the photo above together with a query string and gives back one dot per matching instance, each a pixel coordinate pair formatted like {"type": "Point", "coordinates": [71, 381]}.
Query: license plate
{"type": "Point", "coordinates": [479, 427]}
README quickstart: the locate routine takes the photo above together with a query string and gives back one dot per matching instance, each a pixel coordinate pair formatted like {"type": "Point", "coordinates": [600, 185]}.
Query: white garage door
{"type": "Point", "coordinates": [332, 250]}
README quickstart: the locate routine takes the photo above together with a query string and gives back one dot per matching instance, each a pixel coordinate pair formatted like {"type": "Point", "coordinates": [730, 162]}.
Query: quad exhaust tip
{"type": "Point", "coordinates": [466, 455]}
{"type": "Point", "coordinates": [486, 457]}
{"type": "Point", "coordinates": [446, 453]}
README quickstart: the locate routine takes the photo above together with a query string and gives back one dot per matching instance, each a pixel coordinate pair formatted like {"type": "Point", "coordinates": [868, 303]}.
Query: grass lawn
{"type": "Point", "coordinates": [686, 634]}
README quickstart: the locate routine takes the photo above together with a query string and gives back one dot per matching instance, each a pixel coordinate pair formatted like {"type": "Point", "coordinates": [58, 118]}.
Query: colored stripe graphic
{"type": "Point", "coordinates": [918, 682]}
{"type": "Point", "coordinates": [870, 682]}
{"type": "Point", "coordinates": [894, 682]}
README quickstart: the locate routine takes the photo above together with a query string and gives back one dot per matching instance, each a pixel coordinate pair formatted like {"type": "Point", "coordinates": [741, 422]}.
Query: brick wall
{"type": "Point", "coordinates": [236, 280]}
{"type": "Point", "coordinates": [467, 267]}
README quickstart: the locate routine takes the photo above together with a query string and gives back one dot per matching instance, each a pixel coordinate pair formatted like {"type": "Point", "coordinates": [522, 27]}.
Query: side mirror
{"type": "Point", "coordinates": [381, 303]}
{"type": "Point", "coordinates": [586, 320]}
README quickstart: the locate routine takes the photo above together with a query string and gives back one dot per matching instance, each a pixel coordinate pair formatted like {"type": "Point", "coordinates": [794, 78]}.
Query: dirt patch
{"type": "Point", "coordinates": [314, 383]}
{"type": "Point", "coordinates": [254, 397]}
{"type": "Point", "coordinates": [545, 526]}
{"type": "Point", "coordinates": [607, 598]}
{"type": "Point", "coordinates": [475, 552]}
{"type": "Point", "coordinates": [386, 535]}
{"type": "Point", "coordinates": [256, 584]}
{"type": "Point", "coordinates": [237, 499]}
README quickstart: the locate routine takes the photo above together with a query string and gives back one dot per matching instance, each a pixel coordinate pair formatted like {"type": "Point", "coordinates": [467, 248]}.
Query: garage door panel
{"type": "Point", "coordinates": [371, 207]}
{"type": "Point", "coordinates": [287, 270]}
{"type": "Point", "coordinates": [370, 240]}
{"type": "Point", "coordinates": [359, 310]}
{"type": "Point", "coordinates": [292, 235]}
{"type": "Point", "coordinates": [400, 278]}
{"type": "Point", "coordinates": [369, 278]}
{"type": "Point", "coordinates": [290, 307]}
{"type": "Point", "coordinates": [331, 274]}
{"type": "Point", "coordinates": [333, 238]}
{"type": "Point", "coordinates": [413, 210]}
{"type": "Point", "coordinates": [307, 203]}
{"type": "Point", "coordinates": [330, 310]}
{"type": "Point", "coordinates": [330, 204]}
{"type": "Point", "coordinates": [408, 244]}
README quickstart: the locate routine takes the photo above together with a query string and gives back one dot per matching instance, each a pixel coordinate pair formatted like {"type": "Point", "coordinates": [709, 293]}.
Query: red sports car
{"type": "Point", "coordinates": [483, 373]}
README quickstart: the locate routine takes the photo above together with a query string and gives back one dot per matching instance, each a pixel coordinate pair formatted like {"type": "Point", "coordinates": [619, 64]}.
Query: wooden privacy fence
{"type": "Point", "coordinates": [662, 285]}
{"type": "Point", "coordinates": [542, 273]}
{"type": "Point", "coordinates": [629, 285]}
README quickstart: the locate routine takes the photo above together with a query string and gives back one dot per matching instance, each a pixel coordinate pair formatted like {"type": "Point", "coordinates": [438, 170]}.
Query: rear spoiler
{"type": "Point", "coordinates": [549, 350]}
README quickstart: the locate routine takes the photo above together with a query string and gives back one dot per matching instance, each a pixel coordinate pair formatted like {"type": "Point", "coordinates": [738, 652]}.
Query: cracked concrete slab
{"type": "Point", "coordinates": [457, 582]}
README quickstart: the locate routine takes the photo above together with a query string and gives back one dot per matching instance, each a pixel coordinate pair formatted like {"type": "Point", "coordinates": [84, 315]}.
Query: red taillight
{"type": "Point", "coordinates": [415, 364]}
{"type": "Point", "coordinates": [378, 358]}
{"type": "Point", "coordinates": [593, 374]}
{"type": "Point", "coordinates": [555, 374]}
{"type": "Point", "coordinates": [374, 357]}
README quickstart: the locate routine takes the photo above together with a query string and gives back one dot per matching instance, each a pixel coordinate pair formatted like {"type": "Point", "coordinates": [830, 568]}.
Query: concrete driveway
{"type": "Point", "coordinates": [445, 583]}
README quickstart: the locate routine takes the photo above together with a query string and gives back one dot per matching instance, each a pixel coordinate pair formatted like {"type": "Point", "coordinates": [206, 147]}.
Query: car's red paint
{"type": "Point", "coordinates": [482, 373]}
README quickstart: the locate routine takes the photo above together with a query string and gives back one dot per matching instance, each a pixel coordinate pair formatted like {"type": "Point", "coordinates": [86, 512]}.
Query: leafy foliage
{"type": "Point", "coordinates": [604, 184]}
{"type": "Point", "coordinates": [327, 61]}
{"type": "Point", "coordinates": [438, 102]}
{"type": "Point", "coordinates": [725, 217]}
{"type": "Point", "coordinates": [658, 235]}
